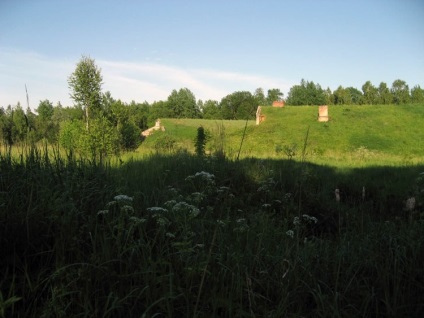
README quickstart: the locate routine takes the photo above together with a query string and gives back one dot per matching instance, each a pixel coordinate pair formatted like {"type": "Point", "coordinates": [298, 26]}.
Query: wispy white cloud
{"type": "Point", "coordinates": [46, 78]}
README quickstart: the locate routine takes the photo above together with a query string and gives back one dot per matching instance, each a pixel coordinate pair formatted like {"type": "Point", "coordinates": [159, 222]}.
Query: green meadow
{"type": "Point", "coordinates": [354, 135]}
{"type": "Point", "coordinates": [289, 218]}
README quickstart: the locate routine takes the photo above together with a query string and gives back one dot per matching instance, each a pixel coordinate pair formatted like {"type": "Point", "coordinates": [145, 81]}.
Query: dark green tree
{"type": "Point", "coordinates": [200, 142]}
{"type": "Point", "coordinates": [385, 97]}
{"type": "Point", "coordinates": [342, 96]}
{"type": "Point", "coordinates": [183, 104]}
{"type": "Point", "coordinates": [260, 97]}
{"type": "Point", "coordinates": [86, 88]}
{"type": "Point", "coordinates": [370, 94]}
{"type": "Point", "coordinates": [139, 113]}
{"type": "Point", "coordinates": [7, 127]}
{"type": "Point", "coordinates": [273, 95]}
{"type": "Point", "coordinates": [355, 95]}
{"type": "Point", "coordinates": [238, 105]}
{"type": "Point", "coordinates": [20, 124]}
{"type": "Point", "coordinates": [159, 109]}
{"type": "Point", "coordinates": [329, 97]}
{"type": "Point", "coordinates": [400, 92]}
{"type": "Point", "coordinates": [211, 110]}
{"type": "Point", "coordinates": [307, 93]}
{"type": "Point", "coordinates": [417, 95]}
{"type": "Point", "coordinates": [45, 125]}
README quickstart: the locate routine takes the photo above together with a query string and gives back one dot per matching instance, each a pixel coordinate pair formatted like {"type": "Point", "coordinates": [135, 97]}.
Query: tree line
{"type": "Point", "coordinates": [98, 125]}
{"type": "Point", "coordinates": [309, 93]}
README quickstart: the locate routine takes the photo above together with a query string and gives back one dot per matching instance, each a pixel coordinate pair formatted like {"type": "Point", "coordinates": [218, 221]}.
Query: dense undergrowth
{"type": "Point", "coordinates": [188, 236]}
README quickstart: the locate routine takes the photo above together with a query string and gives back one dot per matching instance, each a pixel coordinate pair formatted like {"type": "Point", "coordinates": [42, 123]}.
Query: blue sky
{"type": "Point", "coordinates": [146, 49]}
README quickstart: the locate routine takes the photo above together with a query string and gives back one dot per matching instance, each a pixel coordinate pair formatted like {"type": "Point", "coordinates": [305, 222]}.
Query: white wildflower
{"type": "Point", "coordinates": [296, 220]}
{"type": "Point", "coordinates": [157, 209]}
{"type": "Point", "coordinates": [196, 197]}
{"type": "Point", "coordinates": [310, 219]}
{"type": "Point", "coordinates": [137, 220]}
{"type": "Point", "coordinates": [103, 212]}
{"type": "Point", "coordinates": [111, 204]}
{"type": "Point", "coordinates": [410, 204]}
{"type": "Point", "coordinates": [290, 233]}
{"type": "Point", "coordinates": [172, 190]}
{"type": "Point", "coordinates": [266, 205]}
{"type": "Point", "coordinates": [170, 204]}
{"type": "Point", "coordinates": [201, 175]}
{"type": "Point", "coordinates": [205, 175]}
{"type": "Point", "coordinates": [185, 207]}
{"type": "Point", "coordinates": [161, 221]}
{"type": "Point", "coordinates": [127, 209]}
{"type": "Point", "coordinates": [123, 197]}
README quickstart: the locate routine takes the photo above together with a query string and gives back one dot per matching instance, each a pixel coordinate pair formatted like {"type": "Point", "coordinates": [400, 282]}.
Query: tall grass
{"type": "Point", "coordinates": [180, 235]}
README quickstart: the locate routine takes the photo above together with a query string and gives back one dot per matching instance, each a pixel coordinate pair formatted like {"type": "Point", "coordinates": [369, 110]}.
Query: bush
{"type": "Point", "coordinates": [129, 135]}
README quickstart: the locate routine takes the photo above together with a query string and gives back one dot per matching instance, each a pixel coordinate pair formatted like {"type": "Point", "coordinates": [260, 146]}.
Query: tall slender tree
{"type": "Point", "coordinates": [86, 86]}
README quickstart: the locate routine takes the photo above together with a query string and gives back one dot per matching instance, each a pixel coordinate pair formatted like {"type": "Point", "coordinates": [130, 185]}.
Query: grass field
{"type": "Point", "coordinates": [166, 233]}
{"type": "Point", "coordinates": [354, 136]}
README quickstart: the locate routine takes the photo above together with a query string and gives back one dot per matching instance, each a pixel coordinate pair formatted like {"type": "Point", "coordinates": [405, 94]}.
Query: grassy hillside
{"type": "Point", "coordinates": [353, 136]}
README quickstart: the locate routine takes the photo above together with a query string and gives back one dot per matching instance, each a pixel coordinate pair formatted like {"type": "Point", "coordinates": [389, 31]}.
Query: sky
{"type": "Point", "coordinates": [147, 48]}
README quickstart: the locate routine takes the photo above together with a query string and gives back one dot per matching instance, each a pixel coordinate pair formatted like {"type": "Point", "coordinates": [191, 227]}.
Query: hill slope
{"type": "Point", "coordinates": [380, 134]}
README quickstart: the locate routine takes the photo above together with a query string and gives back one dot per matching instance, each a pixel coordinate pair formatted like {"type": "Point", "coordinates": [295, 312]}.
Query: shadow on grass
{"type": "Point", "coordinates": [185, 236]}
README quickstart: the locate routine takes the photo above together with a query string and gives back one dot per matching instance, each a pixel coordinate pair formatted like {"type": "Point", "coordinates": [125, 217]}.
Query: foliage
{"type": "Point", "coordinates": [182, 104]}
{"type": "Point", "coordinates": [417, 95]}
{"type": "Point", "coordinates": [70, 135]}
{"type": "Point", "coordinates": [342, 96]}
{"type": "Point", "coordinates": [385, 96]}
{"type": "Point", "coordinates": [370, 94]}
{"type": "Point", "coordinates": [273, 94]}
{"type": "Point", "coordinates": [86, 86]}
{"type": "Point", "coordinates": [400, 92]}
{"type": "Point", "coordinates": [165, 143]}
{"type": "Point", "coordinates": [307, 93]}
{"type": "Point", "coordinates": [211, 110]}
{"type": "Point", "coordinates": [355, 95]}
{"type": "Point", "coordinates": [129, 135]}
{"type": "Point", "coordinates": [238, 105]}
{"type": "Point", "coordinates": [200, 142]}
{"type": "Point", "coordinates": [101, 141]}
{"type": "Point", "coordinates": [46, 126]}
{"type": "Point", "coordinates": [6, 125]}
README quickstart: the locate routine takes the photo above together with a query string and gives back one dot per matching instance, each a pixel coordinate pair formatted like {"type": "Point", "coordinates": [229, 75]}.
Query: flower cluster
{"type": "Point", "coordinates": [207, 177]}
{"type": "Point", "coordinates": [184, 207]}
{"type": "Point", "coordinates": [301, 224]}
{"type": "Point", "coordinates": [121, 204]}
